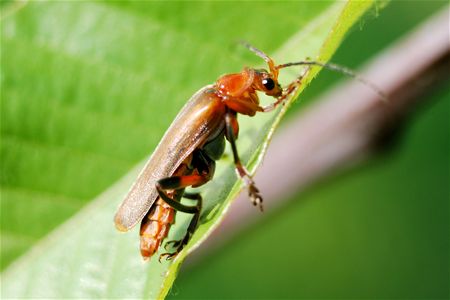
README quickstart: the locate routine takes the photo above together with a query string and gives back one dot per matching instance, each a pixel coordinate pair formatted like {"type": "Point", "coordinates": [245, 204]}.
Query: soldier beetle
{"type": "Point", "coordinates": [186, 155]}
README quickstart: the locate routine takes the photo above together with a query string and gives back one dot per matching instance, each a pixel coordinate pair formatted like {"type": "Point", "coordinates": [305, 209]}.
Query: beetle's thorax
{"type": "Point", "coordinates": [238, 85]}
{"type": "Point", "coordinates": [238, 91]}
{"type": "Point", "coordinates": [238, 88]}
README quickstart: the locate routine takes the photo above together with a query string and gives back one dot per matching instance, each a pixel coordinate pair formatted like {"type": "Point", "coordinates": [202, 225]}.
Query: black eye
{"type": "Point", "coordinates": [268, 83]}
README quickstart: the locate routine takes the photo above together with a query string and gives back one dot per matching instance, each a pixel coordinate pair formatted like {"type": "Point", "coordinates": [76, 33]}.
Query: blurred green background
{"type": "Point", "coordinates": [84, 85]}
{"type": "Point", "coordinates": [380, 231]}
{"type": "Point", "coordinates": [73, 120]}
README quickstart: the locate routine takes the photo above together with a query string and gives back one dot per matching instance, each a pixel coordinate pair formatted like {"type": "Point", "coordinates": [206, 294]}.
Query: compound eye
{"type": "Point", "coordinates": [268, 83]}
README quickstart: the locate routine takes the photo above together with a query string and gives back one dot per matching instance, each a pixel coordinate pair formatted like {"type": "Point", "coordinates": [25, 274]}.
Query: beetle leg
{"type": "Point", "coordinates": [204, 170]}
{"type": "Point", "coordinates": [291, 88]}
{"type": "Point", "coordinates": [179, 244]}
{"type": "Point", "coordinates": [244, 107]}
{"type": "Point", "coordinates": [191, 228]}
{"type": "Point", "coordinates": [253, 192]}
{"type": "Point", "coordinates": [193, 196]}
{"type": "Point", "coordinates": [175, 183]}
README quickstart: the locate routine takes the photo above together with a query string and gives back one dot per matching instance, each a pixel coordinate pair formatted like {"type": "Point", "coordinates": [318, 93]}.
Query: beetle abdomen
{"type": "Point", "coordinates": [155, 227]}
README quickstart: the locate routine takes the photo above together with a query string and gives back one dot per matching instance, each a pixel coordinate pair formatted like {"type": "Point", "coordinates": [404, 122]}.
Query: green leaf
{"type": "Point", "coordinates": [88, 89]}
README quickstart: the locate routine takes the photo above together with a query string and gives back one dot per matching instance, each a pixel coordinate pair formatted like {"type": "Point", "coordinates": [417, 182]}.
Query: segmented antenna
{"type": "Point", "coordinates": [270, 62]}
{"type": "Point", "coordinates": [255, 50]}
{"type": "Point", "coordinates": [330, 66]}
{"type": "Point", "coordinates": [340, 69]}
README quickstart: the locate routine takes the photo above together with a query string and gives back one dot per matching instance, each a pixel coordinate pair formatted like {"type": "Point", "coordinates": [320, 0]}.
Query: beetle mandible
{"type": "Point", "coordinates": [186, 155]}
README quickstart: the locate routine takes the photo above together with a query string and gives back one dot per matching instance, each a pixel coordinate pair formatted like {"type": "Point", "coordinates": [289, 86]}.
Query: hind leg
{"type": "Point", "coordinates": [203, 171]}
{"type": "Point", "coordinates": [179, 244]}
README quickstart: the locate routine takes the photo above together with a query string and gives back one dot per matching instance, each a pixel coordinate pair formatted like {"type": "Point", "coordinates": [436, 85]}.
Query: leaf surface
{"type": "Point", "coordinates": [88, 89]}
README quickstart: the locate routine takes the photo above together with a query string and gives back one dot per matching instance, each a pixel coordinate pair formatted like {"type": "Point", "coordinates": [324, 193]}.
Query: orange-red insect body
{"type": "Point", "coordinates": [155, 227]}
{"type": "Point", "coordinates": [156, 224]}
{"type": "Point", "coordinates": [187, 153]}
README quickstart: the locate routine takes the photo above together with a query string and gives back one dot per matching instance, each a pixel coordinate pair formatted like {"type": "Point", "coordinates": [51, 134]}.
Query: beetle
{"type": "Point", "coordinates": [186, 155]}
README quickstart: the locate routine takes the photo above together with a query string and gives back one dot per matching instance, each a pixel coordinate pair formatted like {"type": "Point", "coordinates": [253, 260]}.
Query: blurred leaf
{"type": "Point", "coordinates": [88, 89]}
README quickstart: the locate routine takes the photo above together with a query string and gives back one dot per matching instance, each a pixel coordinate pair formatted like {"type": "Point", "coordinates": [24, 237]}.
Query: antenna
{"type": "Point", "coordinates": [270, 62]}
{"type": "Point", "coordinates": [340, 69]}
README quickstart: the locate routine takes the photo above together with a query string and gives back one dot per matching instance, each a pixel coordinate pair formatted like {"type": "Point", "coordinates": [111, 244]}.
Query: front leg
{"type": "Point", "coordinates": [232, 127]}
{"type": "Point", "coordinates": [289, 90]}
